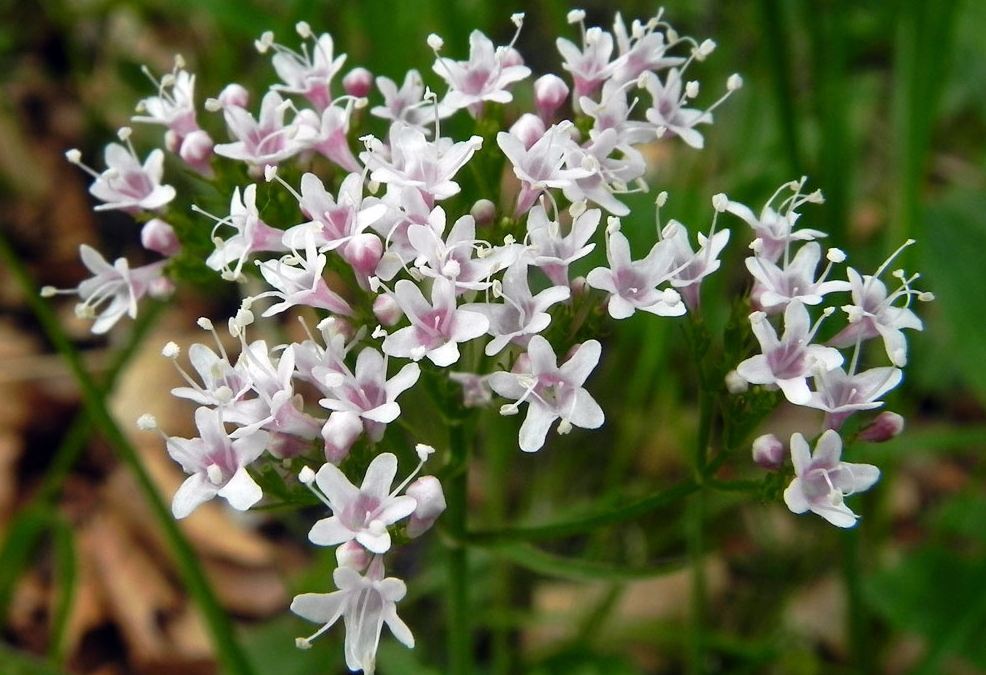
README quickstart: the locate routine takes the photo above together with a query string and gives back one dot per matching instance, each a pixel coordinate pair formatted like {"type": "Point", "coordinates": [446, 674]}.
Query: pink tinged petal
{"type": "Point", "coordinates": [576, 370]}
{"type": "Point", "coordinates": [379, 476]}
{"type": "Point", "coordinates": [535, 427]}
{"type": "Point", "coordinates": [405, 378]}
{"type": "Point", "coordinates": [756, 370]}
{"type": "Point", "coordinates": [403, 343]}
{"type": "Point", "coordinates": [825, 357]}
{"type": "Point", "coordinates": [370, 367]}
{"type": "Point", "coordinates": [445, 355]}
{"type": "Point", "coordinates": [619, 308]}
{"type": "Point", "coordinates": [602, 279]}
{"type": "Point", "coordinates": [374, 543]}
{"type": "Point", "coordinates": [385, 414]}
{"type": "Point", "coordinates": [241, 491]}
{"type": "Point", "coordinates": [467, 325]}
{"type": "Point", "coordinates": [795, 498]}
{"type": "Point", "coordinates": [800, 454]}
{"type": "Point", "coordinates": [194, 491]}
{"type": "Point", "coordinates": [506, 385]}
{"type": "Point", "coordinates": [250, 447]}
{"type": "Point", "coordinates": [410, 299]}
{"type": "Point", "coordinates": [860, 477]}
{"type": "Point", "coordinates": [840, 516]}
{"type": "Point", "coordinates": [895, 343]}
{"type": "Point", "coordinates": [347, 579]}
{"type": "Point", "coordinates": [586, 413]}
{"type": "Point", "coordinates": [337, 488]}
{"type": "Point", "coordinates": [795, 390]}
{"type": "Point", "coordinates": [397, 627]}
{"type": "Point", "coordinates": [323, 608]}
{"type": "Point", "coordinates": [397, 508]}
{"type": "Point", "coordinates": [828, 449]}
{"type": "Point", "coordinates": [542, 356]}
{"type": "Point", "coordinates": [797, 323]}
{"type": "Point", "coordinates": [330, 532]}
{"type": "Point", "coordinates": [210, 426]}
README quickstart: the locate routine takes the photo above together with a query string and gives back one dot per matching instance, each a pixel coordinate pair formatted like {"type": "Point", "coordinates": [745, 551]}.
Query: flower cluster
{"type": "Point", "coordinates": [812, 372]}
{"type": "Point", "coordinates": [356, 209]}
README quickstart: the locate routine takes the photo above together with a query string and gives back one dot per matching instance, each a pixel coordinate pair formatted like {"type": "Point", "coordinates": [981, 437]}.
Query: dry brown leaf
{"type": "Point", "coordinates": [135, 589]}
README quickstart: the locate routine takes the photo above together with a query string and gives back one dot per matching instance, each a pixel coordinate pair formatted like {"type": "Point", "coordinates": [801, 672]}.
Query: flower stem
{"type": "Point", "coordinates": [228, 651]}
{"type": "Point", "coordinates": [457, 597]}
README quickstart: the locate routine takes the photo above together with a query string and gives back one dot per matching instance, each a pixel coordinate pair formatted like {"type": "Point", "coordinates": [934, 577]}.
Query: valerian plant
{"type": "Point", "coordinates": [417, 276]}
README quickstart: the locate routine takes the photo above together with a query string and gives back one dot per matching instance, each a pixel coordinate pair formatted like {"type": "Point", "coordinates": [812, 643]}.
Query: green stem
{"type": "Point", "coordinates": [778, 50]}
{"type": "Point", "coordinates": [599, 517]}
{"type": "Point", "coordinates": [500, 582]}
{"type": "Point", "coordinates": [856, 615]}
{"type": "Point", "coordinates": [694, 522]}
{"type": "Point", "coordinates": [457, 595]}
{"type": "Point", "coordinates": [216, 619]}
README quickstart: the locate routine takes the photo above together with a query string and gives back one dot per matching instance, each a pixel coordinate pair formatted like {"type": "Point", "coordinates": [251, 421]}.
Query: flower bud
{"type": "Point", "coordinates": [285, 446]}
{"type": "Point", "coordinates": [160, 288]}
{"type": "Point", "coordinates": [511, 57]}
{"type": "Point", "coordinates": [234, 95]}
{"type": "Point", "coordinates": [363, 253]}
{"type": "Point", "coordinates": [483, 212]}
{"type": "Point", "coordinates": [735, 384]}
{"type": "Point", "coordinates": [354, 556]}
{"type": "Point", "coordinates": [885, 426]}
{"type": "Point", "coordinates": [528, 129]}
{"type": "Point", "coordinates": [358, 82]}
{"type": "Point", "coordinates": [196, 150]}
{"type": "Point", "coordinates": [427, 491]}
{"type": "Point", "coordinates": [339, 433]}
{"type": "Point", "coordinates": [386, 309]}
{"type": "Point", "coordinates": [172, 141]}
{"type": "Point", "coordinates": [160, 237]}
{"type": "Point", "coordinates": [550, 92]}
{"type": "Point", "coordinates": [769, 452]}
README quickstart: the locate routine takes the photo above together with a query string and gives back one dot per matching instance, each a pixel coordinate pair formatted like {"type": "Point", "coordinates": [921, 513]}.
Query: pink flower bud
{"type": "Point", "coordinates": [160, 288]}
{"type": "Point", "coordinates": [427, 491]}
{"type": "Point", "coordinates": [339, 433]}
{"type": "Point", "coordinates": [160, 237]}
{"type": "Point", "coordinates": [528, 129]}
{"type": "Point", "coordinates": [234, 95]}
{"type": "Point", "coordinates": [386, 309]}
{"type": "Point", "coordinates": [885, 426]}
{"type": "Point", "coordinates": [363, 253]}
{"type": "Point", "coordinates": [196, 150]}
{"type": "Point", "coordinates": [550, 92]}
{"type": "Point", "coordinates": [172, 141]}
{"type": "Point", "coordinates": [579, 286]}
{"type": "Point", "coordinates": [511, 57]}
{"type": "Point", "coordinates": [285, 446]}
{"type": "Point", "coordinates": [483, 212]}
{"type": "Point", "coordinates": [769, 452]}
{"type": "Point", "coordinates": [358, 82]}
{"type": "Point", "coordinates": [354, 556]}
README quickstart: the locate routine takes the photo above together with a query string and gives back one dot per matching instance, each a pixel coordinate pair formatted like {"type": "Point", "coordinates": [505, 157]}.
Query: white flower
{"type": "Point", "coordinates": [361, 513]}
{"type": "Point", "coordinates": [873, 313]}
{"type": "Point", "coordinates": [266, 140]}
{"type": "Point", "coordinates": [551, 392]}
{"type": "Point", "coordinates": [822, 481]}
{"type": "Point", "coordinates": [436, 327]}
{"type": "Point", "coordinates": [632, 284]}
{"type": "Point", "coordinates": [777, 286]}
{"type": "Point", "coordinates": [787, 362]}
{"type": "Point", "coordinates": [126, 184]}
{"type": "Point", "coordinates": [217, 465]}
{"type": "Point", "coordinates": [365, 604]}
{"type": "Point", "coordinates": [114, 290]}
{"type": "Point", "coordinates": [484, 77]}
{"type": "Point", "coordinates": [540, 166]}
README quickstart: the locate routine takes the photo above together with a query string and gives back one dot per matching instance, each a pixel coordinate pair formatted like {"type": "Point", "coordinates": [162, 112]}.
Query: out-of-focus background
{"type": "Point", "coordinates": [881, 104]}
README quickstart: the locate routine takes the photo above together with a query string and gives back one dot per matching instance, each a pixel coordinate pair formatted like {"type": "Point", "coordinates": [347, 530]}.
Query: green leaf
{"type": "Point", "coordinates": [576, 569]}
{"type": "Point", "coordinates": [938, 595]}
{"type": "Point", "coordinates": [952, 267]}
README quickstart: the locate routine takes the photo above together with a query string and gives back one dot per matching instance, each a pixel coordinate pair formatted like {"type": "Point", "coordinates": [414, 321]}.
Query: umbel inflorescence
{"type": "Point", "coordinates": [424, 277]}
